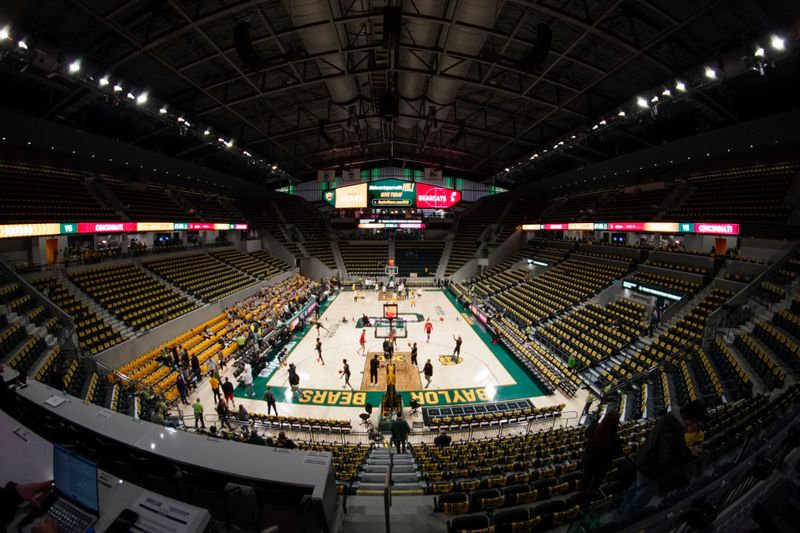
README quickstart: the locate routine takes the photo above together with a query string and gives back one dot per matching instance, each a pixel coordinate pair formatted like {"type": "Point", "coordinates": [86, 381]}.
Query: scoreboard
{"type": "Point", "coordinates": [392, 193]}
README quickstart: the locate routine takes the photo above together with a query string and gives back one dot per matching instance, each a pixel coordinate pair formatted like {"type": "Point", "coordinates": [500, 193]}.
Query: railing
{"type": "Point", "coordinates": [387, 494]}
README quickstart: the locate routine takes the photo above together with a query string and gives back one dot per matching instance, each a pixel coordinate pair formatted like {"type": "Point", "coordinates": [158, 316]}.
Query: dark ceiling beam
{"type": "Point", "coordinates": [586, 31]}
{"type": "Point", "coordinates": [127, 36]}
{"type": "Point", "coordinates": [660, 38]}
{"type": "Point", "coordinates": [321, 79]}
{"type": "Point", "coordinates": [413, 48]}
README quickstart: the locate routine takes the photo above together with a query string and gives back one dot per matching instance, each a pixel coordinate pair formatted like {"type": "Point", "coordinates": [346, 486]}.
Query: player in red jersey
{"type": "Point", "coordinates": [428, 329]}
{"type": "Point", "coordinates": [363, 342]}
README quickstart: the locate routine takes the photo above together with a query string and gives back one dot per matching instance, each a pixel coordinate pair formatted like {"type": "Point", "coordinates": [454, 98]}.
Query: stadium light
{"type": "Point", "coordinates": [187, 123]}
{"type": "Point", "coordinates": [130, 96]}
{"type": "Point", "coordinates": [246, 153]}
{"type": "Point", "coordinates": [75, 66]}
{"type": "Point", "coordinates": [680, 86]}
{"type": "Point", "coordinates": [711, 73]}
{"type": "Point", "coordinates": [162, 111]}
{"type": "Point", "coordinates": [621, 113]}
{"type": "Point", "coordinates": [603, 122]}
{"type": "Point", "coordinates": [102, 82]}
{"type": "Point", "coordinates": [207, 132]}
{"type": "Point", "coordinates": [595, 127]}
{"type": "Point", "coordinates": [759, 52]}
{"type": "Point", "coordinates": [5, 33]}
{"type": "Point", "coordinates": [274, 167]}
{"type": "Point", "coordinates": [777, 43]}
{"type": "Point", "coordinates": [117, 88]}
{"type": "Point", "coordinates": [142, 98]}
{"type": "Point", "coordinates": [229, 144]}
{"type": "Point", "coordinates": [23, 45]}
{"type": "Point", "coordinates": [654, 99]}
{"type": "Point", "coordinates": [666, 92]}
{"type": "Point", "coordinates": [508, 169]}
{"type": "Point", "coordinates": [641, 102]}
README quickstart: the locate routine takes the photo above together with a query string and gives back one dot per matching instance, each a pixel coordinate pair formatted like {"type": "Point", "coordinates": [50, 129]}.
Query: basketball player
{"type": "Point", "coordinates": [363, 342]}
{"type": "Point", "coordinates": [427, 370]}
{"type": "Point", "coordinates": [413, 302]}
{"type": "Point", "coordinates": [318, 348]}
{"type": "Point", "coordinates": [428, 329]}
{"type": "Point", "coordinates": [387, 350]}
{"type": "Point", "coordinates": [374, 364]}
{"type": "Point", "coordinates": [457, 349]}
{"type": "Point", "coordinates": [393, 338]}
{"type": "Point", "coordinates": [345, 373]}
{"type": "Point", "coordinates": [413, 354]}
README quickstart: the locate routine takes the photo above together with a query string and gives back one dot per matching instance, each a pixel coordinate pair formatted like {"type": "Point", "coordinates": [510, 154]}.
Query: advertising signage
{"type": "Point", "coordinates": [392, 193]}
{"type": "Point", "coordinates": [434, 197]}
{"type": "Point", "coordinates": [703, 228]}
{"type": "Point", "coordinates": [8, 231]}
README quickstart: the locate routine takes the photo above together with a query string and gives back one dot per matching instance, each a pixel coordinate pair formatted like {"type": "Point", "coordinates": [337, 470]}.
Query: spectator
{"type": "Point", "coordinates": [664, 451]}
{"type": "Point", "coordinates": [242, 415]}
{"type": "Point", "coordinates": [247, 380]}
{"type": "Point", "coordinates": [400, 431]}
{"type": "Point", "coordinates": [222, 411]}
{"type": "Point", "coordinates": [284, 442]}
{"type": "Point", "coordinates": [294, 380]}
{"type": "Point", "coordinates": [227, 391]}
{"type": "Point", "coordinates": [214, 382]}
{"type": "Point", "coordinates": [255, 438]}
{"type": "Point", "coordinates": [442, 440]}
{"type": "Point", "coordinates": [180, 383]}
{"type": "Point", "coordinates": [13, 495]}
{"type": "Point", "coordinates": [602, 446]}
{"type": "Point", "coordinates": [196, 368]}
{"type": "Point", "coordinates": [197, 407]}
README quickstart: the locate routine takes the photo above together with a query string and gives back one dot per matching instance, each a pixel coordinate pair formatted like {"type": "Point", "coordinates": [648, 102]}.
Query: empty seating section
{"type": "Point", "coordinates": [487, 415]}
{"type": "Point", "coordinates": [310, 224]}
{"type": "Point", "coordinates": [24, 359]}
{"type": "Point", "coordinates": [419, 257]}
{"type": "Point", "coordinates": [263, 214]}
{"type": "Point", "coordinates": [780, 343]}
{"type": "Point", "coordinates": [148, 202]}
{"type": "Point", "coordinates": [201, 275]}
{"type": "Point", "coordinates": [364, 259]}
{"type": "Point", "coordinates": [664, 281]}
{"type": "Point", "coordinates": [133, 296]}
{"type": "Point", "coordinates": [265, 257]}
{"type": "Point", "coordinates": [681, 268]}
{"type": "Point", "coordinates": [733, 376]}
{"type": "Point", "coordinates": [513, 471]}
{"type": "Point", "coordinates": [548, 370]}
{"type": "Point", "coordinates": [499, 281]}
{"type": "Point", "coordinates": [521, 212]}
{"type": "Point", "coordinates": [469, 230]}
{"type": "Point", "coordinates": [752, 194]}
{"type": "Point", "coordinates": [347, 460]}
{"type": "Point", "coordinates": [248, 263]}
{"type": "Point", "coordinates": [206, 206]}
{"type": "Point", "coordinates": [39, 193]}
{"type": "Point", "coordinates": [593, 333]}
{"type": "Point", "coordinates": [94, 333]}
{"type": "Point", "coordinates": [555, 290]}
{"type": "Point", "coordinates": [10, 338]}
{"type": "Point", "coordinates": [680, 342]}
{"type": "Point", "coordinates": [770, 374]}
{"type": "Point", "coordinates": [633, 205]}
{"type": "Point", "coordinates": [788, 321]}
{"type": "Point", "coordinates": [575, 207]}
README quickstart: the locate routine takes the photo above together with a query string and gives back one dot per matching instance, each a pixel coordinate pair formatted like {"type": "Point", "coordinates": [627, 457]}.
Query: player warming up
{"type": "Point", "coordinates": [457, 349]}
{"type": "Point", "coordinates": [363, 343]}
{"type": "Point", "coordinates": [318, 348]}
{"type": "Point", "coordinates": [413, 353]}
{"type": "Point", "coordinates": [427, 370]}
{"type": "Point", "coordinates": [428, 329]}
{"type": "Point", "coordinates": [374, 364]}
{"type": "Point", "coordinates": [345, 373]}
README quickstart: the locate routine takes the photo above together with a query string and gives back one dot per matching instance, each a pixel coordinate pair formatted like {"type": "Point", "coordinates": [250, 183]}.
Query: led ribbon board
{"type": "Point", "coordinates": [700, 228]}
{"type": "Point", "coordinates": [8, 231]}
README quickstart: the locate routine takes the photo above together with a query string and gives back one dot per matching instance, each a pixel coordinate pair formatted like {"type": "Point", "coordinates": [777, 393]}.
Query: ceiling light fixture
{"type": "Point", "coordinates": [777, 43]}
{"type": "Point", "coordinates": [641, 102]}
{"type": "Point", "coordinates": [75, 66]}
{"type": "Point", "coordinates": [711, 73]}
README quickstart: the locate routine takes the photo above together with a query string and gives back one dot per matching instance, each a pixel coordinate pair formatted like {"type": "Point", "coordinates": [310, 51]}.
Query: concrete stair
{"type": "Point", "coordinates": [405, 474]}
{"type": "Point", "coordinates": [99, 310]}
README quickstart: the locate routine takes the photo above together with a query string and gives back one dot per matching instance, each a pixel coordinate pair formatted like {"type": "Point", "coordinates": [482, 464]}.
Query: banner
{"type": "Point", "coordinates": [435, 197]}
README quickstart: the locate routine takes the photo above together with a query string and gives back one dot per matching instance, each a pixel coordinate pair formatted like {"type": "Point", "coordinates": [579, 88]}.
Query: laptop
{"type": "Point", "coordinates": [76, 507]}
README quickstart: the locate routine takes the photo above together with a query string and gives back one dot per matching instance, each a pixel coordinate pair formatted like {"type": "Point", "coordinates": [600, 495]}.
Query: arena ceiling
{"type": "Point", "coordinates": [458, 83]}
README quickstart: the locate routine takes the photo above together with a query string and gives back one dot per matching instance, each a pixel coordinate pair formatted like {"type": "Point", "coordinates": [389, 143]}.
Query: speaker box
{"type": "Point", "coordinates": [388, 105]}
{"type": "Point", "coordinates": [244, 47]}
{"type": "Point", "coordinates": [541, 47]}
